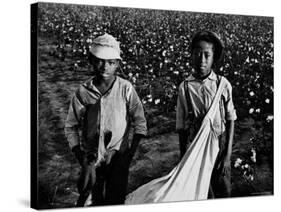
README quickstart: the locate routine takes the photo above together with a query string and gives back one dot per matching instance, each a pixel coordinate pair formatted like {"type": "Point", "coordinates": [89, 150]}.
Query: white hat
{"type": "Point", "coordinates": [106, 47]}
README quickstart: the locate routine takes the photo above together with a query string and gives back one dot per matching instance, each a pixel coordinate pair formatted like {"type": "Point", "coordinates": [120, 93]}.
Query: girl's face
{"type": "Point", "coordinates": [203, 58]}
{"type": "Point", "coordinates": [105, 69]}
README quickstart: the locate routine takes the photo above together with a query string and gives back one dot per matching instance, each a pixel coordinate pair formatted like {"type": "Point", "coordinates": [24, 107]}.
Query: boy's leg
{"type": "Point", "coordinates": [117, 179]}
{"type": "Point", "coordinates": [82, 199]}
{"type": "Point", "coordinates": [98, 187]}
{"type": "Point", "coordinates": [85, 183]}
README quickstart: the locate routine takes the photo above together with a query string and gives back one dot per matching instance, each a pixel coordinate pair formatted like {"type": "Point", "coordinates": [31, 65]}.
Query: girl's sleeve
{"type": "Point", "coordinates": [230, 112]}
{"type": "Point", "coordinates": [136, 111]}
{"type": "Point", "coordinates": [73, 120]}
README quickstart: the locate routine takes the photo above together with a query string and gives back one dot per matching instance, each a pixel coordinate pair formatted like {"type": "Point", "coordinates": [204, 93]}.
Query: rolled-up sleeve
{"type": "Point", "coordinates": [136, 112]}
{"type": "Point", "coordinates": [230, 112]}
{"type": "Point", "coordinates": [73, 120]}
{"type": "Point", "coordinates": [181, 109]}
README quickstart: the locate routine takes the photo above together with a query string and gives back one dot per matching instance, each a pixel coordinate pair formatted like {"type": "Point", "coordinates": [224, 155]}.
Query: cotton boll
{"type": "Point", "coordinates": [251, 110]}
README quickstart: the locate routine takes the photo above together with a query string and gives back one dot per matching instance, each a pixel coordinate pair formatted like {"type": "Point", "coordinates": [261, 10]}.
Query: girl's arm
{"type": "Point", "coordinates": [226, 163]}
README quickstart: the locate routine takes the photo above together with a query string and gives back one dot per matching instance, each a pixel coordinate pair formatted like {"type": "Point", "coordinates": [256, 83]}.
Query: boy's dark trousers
{"type": "Point", "coordinates": [118, 179]}
{"type": "Point", "coordinates": [110, 184]}
{"type": "Point", "coordinates": [111, 180]}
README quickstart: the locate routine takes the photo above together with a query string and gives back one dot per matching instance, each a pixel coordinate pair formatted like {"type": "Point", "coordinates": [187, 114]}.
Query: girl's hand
{"type": "Point", "coordinates": [225, 166]}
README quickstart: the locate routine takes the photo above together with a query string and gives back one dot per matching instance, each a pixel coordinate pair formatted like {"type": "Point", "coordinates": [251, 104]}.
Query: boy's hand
{"type": "Point", "coordinates": [109, 155]}
{"type": "Point", "coordinates": [135, 142]}
{"type": "Point", "coordinates": [88, 173]}
{"type": "Point", "coordinates": [87, 177]}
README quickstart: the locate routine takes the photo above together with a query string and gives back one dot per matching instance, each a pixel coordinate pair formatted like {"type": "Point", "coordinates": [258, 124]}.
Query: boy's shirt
{"type": "Point", "coordinates": [202, 93]}
{"type": "Point", "coordinates": [111, 113]}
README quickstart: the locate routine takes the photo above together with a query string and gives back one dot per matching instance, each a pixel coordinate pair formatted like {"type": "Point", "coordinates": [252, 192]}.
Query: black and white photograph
{"type": "Point", "coordinates": [135, 105]}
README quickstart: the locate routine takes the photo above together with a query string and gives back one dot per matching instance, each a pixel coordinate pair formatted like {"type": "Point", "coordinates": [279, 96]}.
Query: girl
{"type": "Point", "coordinates": [205, 115]}
{"type": "Point", "coordinates": [196, 94]}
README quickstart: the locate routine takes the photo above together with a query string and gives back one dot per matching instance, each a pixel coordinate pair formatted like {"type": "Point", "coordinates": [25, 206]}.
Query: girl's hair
{"type": "Point", "coordinates": [209, 37]}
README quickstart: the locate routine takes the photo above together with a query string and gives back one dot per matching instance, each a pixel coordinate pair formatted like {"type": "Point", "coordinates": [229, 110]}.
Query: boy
{"type": "Point", "coordinates": [194, 99]}
{"type": "Point", "coordinates": [104, 108]}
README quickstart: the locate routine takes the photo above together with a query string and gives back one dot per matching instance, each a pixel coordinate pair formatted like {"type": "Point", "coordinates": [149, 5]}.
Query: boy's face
{"type": "Point", "coordinates": [203, 58]}
{"type": "Point", "coordinates": [105, 68]}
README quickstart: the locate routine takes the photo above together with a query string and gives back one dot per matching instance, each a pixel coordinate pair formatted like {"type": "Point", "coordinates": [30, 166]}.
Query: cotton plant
{"type": "Point", "coordinates": [247, 166]}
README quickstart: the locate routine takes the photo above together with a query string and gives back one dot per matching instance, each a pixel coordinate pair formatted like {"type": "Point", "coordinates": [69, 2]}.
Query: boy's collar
{"type": "Point", "coordinates": [89, 83]}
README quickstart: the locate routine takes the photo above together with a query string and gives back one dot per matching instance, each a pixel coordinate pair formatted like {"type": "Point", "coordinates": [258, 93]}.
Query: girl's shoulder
{"type": "Point", "coordinates": [223, 79]}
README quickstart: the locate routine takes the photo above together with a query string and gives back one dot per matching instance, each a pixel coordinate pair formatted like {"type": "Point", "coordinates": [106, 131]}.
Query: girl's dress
{"type": "Point", "coordinates": [190, 179]}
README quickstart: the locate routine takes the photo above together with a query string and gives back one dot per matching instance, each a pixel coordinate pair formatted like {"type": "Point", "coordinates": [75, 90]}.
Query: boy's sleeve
{"type": "Point", "coordinates": [181, 109]}
{"type": "Point", "coordinates": [136, 112]}
{"type": "Point", "coordinates": [73, 120]}
{"type": "Point", "coordinates": [230, 112]}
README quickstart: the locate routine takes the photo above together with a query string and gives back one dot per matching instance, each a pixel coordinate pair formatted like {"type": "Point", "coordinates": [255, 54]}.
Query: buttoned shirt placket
{"type": "Point", "coordinates": [101, 118]}
{"type": "Point", "coordinates": [102, 124]}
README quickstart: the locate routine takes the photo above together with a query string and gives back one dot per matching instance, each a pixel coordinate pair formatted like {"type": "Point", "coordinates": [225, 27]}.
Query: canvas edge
{"type": "Point", "coordinates": [33, 108]}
